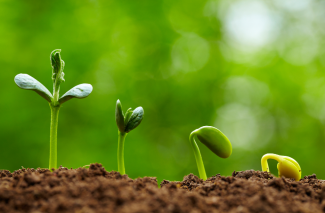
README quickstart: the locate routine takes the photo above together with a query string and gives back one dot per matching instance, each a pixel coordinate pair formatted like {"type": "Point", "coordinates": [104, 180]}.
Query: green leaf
{"type": "Point", "coordinates": [57, 66]}
{"type": "Point", "coordinates": [56, 60]}
{"type": "Point", "coordinates": [79, 91]}
{"type": "Point", "coordinates": [127, 116]}
{"type": "Point", "coordinates": [25, 81]}
{"type": "Point", "coordinates": [135, 119]}
{"type": "Point", "coordinates": [215, 140]}
{"type": "Point", "coordinates": [119, 117]}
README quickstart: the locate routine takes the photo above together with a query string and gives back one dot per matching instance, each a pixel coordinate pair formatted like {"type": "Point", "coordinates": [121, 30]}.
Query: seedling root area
{"type": "Point", "coordinates": [95, 190]}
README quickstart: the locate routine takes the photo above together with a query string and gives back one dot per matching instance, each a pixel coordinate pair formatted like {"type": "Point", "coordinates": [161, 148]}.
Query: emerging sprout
{"type": "Point", "coordinates": [287, 166]}
{"type": "Point", "coordinates": [125, 123]}
{"type": "Point", "coordinates": [25, 81]}
{"type": "Point", "coordinates": [215, 140]}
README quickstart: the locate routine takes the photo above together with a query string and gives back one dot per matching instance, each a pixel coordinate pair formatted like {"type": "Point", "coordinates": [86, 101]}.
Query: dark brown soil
{"type": "Point", "coordinates": [95, 190]}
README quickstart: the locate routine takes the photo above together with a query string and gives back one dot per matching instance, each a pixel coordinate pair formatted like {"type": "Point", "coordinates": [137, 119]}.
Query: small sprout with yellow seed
{"type": "Point", "coordinates": [212, 138]}
{"type": "Point", "coordinates": [287, 167]}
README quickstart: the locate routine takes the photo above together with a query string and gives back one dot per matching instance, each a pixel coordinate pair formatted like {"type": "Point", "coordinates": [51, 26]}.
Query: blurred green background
{"type": "Point", "coordinates": [254, 69]}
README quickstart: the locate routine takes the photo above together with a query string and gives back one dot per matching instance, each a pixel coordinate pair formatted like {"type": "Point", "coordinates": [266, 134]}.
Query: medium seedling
{"type": "Point", "coordinates": [215, 140]}
{"type": "Point", "coordinates": [25, 81]}
{"type": "Point", "coordinates": [125, 124]}
{"type": "Point", "coordinates": [287, 166]}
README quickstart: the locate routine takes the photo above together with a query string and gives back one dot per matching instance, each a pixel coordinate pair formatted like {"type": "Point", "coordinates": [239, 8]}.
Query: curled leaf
{"type": "Point", "coordinates": [57, 66]}
{"type": "Point", "coordinates": [79, 91]}
{"type": "Point", "coordinates": [56, 60]}
{"type": "Point", "coordinates": [25, 81]}
{"type": "Point", "coordinates": [215, 140]}
{"type": "Point", "coordinates": [135, 119]}
{"type": "Point", "coordinates": [119, 117]}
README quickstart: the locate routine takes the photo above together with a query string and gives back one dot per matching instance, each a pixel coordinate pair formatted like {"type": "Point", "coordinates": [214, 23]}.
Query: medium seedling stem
{"type": "Point", "coordinates": [120, 152]}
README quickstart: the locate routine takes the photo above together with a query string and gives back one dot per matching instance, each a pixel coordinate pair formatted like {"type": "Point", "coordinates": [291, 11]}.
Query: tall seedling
{"type": "Point", "coordinates": [25, 81]}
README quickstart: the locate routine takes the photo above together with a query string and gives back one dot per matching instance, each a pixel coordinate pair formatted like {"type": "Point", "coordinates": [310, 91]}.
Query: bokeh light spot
{"type": "Point", "coordinates": [189, 53]}
{"type": "Point", "coordinates": [250, 25]}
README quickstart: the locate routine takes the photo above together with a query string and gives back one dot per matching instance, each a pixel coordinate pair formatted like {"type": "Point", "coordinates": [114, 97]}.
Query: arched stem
{"type": "Point", "coordinates": [198, 156]}
{"type": "Point", "coordinates": [265, 165]}
{"type": "Point", "coordinates": [120, 152]}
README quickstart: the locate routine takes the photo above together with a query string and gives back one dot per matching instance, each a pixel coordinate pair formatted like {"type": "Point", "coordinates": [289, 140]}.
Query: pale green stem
{"type": "Point", "coordinates": [55, 107]}
{"type": "Point", "coordinates": [120, 152]}
{"type": "Point", "coordinates": [198, 157]}
{"type": "Point", "coordinates": [53, 136]}
{"type": "Point", "coordinates": [56, 91]}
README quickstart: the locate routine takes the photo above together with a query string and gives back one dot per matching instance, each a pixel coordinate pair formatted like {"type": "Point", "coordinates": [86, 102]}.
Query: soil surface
{"type": "Point", "coordinates": [95, 190]}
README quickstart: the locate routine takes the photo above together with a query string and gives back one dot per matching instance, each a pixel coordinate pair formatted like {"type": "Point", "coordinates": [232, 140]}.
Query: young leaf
{"type": "Point", "coordinates": [79, 91]}
{"type": "Point", "coordinates": [215, 140]}
{"type": "Point", "coordinates": [127, 116]}
{"type": "Point", "coordinates": [119, 117]}
{"type": "Point", "coordinates": [56, 60]}
{"type": "Point", "coordinates": [57, 66]}
{"type": "Point", "coordinates": [135, 119]}
{"type": "Point", "coordinates": [25, 81]}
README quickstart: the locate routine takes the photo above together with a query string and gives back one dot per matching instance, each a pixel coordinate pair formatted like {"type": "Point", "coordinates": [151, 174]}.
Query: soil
{"type": "Point", "coordinates": [95, 190]}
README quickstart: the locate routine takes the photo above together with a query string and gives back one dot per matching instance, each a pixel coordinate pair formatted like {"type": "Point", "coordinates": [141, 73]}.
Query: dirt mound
{"type": "Point", "coordinates": [95, 190]}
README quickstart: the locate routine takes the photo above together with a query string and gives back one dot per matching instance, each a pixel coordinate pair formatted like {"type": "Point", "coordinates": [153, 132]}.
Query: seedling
{"type": "Point", "coordinates": [25, 81]}
{"type": "Point", "coordinates": [287, 166]}
{"type": "Point", "coordinates": [125, 124]}
{"type": "Point", "coordinates": [215, 140]}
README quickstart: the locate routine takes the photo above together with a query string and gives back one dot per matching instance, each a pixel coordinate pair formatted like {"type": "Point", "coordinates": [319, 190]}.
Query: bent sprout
{"type": "Point", "coordinates": [27, 82]}
{"type": "Point", "coordinates": [125, 124]}
{"type": "Point", "coordinates": [287, 166]}
{"type": "Point", "coordinates": [215, 140]}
